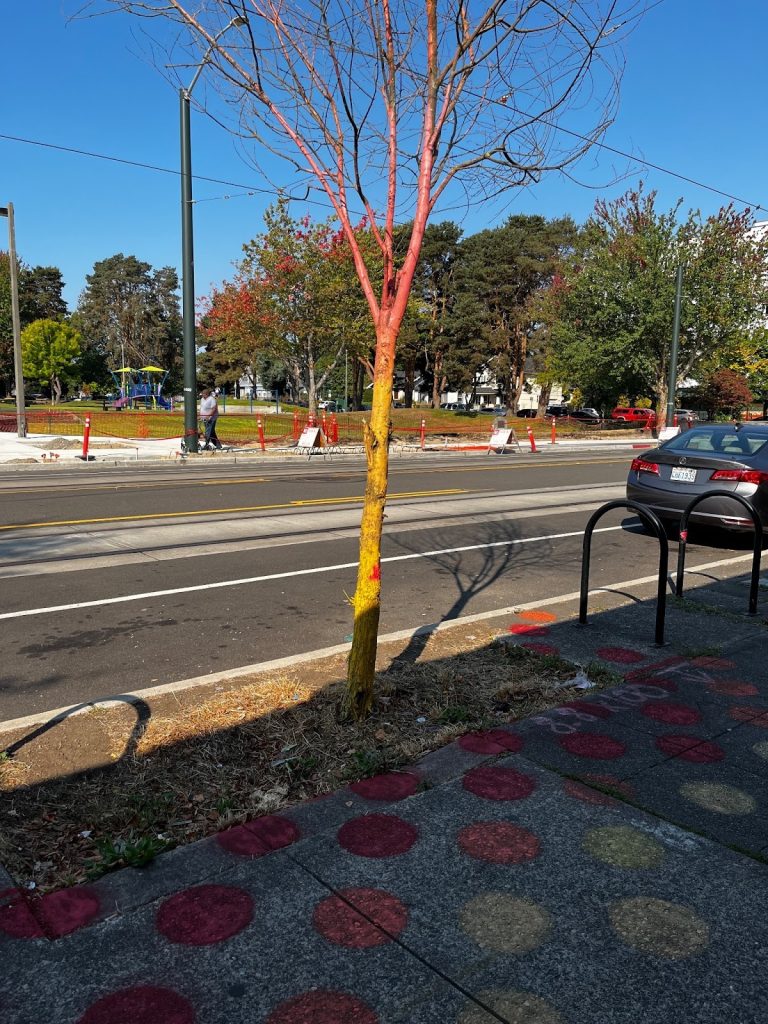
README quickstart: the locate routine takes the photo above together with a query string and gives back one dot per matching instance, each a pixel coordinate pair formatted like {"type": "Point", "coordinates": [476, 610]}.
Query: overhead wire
{"type": "Point", "coordinates": [250, 190]}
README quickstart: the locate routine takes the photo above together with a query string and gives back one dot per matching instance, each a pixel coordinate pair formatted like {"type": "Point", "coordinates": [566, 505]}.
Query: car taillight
{"type": "Point", "coordinates": [740, 476]}
{"type": "Point", "coordinates": [641, 466]}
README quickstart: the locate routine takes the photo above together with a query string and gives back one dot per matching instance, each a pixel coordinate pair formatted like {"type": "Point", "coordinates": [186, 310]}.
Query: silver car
{"type": "Point", "coordinates": [708, 457]}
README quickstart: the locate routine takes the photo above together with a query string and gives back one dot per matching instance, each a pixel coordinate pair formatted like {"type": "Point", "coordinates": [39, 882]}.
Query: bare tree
{"type": "Point", "coordinates": [390, 107]}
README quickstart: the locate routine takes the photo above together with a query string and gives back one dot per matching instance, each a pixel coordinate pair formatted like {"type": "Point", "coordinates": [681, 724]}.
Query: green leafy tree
{"type": "Point", "coordinates": [49, 350]}
{"type": "Point", "coordinates": [433, 291]}
{"type": "Point", "coordinates": [502, 272]}
{"type": "Point", "coordinates": [40, 295]}
{"type": "Point", "coordinates": [130, 313]}
{"type": "Point", "coordinates": [296, 300]}
{"type": "Point", "coordinates": [610, 316]}
{"type": "Point", "coordinates": [752, 360]}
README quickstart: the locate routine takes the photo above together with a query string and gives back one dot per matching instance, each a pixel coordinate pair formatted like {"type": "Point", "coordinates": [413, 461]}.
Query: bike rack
{"type": "Point", "coordinates": [756, 552]}
{"type": "Point", "coordinates": [653, 522]}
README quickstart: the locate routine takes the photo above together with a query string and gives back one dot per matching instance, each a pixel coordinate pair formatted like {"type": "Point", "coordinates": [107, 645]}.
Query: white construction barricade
{"type": "Point", "coordinates": [503, 438]}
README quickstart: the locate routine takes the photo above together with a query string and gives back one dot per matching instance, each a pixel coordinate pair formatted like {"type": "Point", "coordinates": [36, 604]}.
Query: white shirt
{"type": "Point", "coordinates": [208, 406]}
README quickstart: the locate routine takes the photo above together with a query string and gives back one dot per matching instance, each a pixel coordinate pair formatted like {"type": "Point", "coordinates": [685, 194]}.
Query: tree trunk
{"type": "Point", "coordinates": [311, 385]}
{"type": "Point", "coordinates": [410, 374]}
{"type": "Point", "coordinates": [367, 599]}
{"type": "Point", "coordinates": [543, 399]}
{"type": "Point", "coordinates": [661, 408]}
{"type": "Point", "coordinates": [437, 379]}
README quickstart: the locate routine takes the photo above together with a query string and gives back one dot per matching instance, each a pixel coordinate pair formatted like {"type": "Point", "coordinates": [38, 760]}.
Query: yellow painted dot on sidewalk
{"type": "Point", "coordinates": [496, 920]}
{"type": "Point", "coordinates": [623, 847]}
{"type": "Point", "coordinates": [513, 1006]}
{"type": "Point", "coordinates": [718, 797]}
{"type": "Point", "coordinates": [659, 927]}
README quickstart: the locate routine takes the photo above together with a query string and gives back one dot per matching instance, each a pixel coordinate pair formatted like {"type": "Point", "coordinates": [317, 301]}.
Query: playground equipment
{"type": "Point", "coordinates": [142, 388]}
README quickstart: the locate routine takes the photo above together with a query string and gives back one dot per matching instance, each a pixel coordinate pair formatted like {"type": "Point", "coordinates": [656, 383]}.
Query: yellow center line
{"type": "Point", "coordinates": [222, 511]}
{"type": "Point", "coordinates": [58, 488]}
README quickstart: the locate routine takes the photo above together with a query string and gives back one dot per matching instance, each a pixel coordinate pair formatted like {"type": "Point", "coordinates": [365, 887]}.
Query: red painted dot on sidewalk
{"type": "Point", "coordinates": [538, 648]}
{"type": "Point", "coordinates": [63, 912]}
{"type": "Point", "coordinates": [523, 629]}
{"type": "Point", "coordinates": [748, 714]}
{"type": "Point", "coordinates": [377, 835]}
{"type": "Point", "coordinates": [204, 915]}
{"type": "Point", "coordinates": [662, 683]}
{"type": "Point", "coordinates": [492, 783]}
{"type": "Point", "coordinates": [688, 748]}
{"type": "Point", "coordinates": [587, 795]}
{"type": "Point", "coordinates": [594, 745]}
{"type": "Point", "coordinates": [259, 837]}
{"type": "Point", "coordinates": [392, 786]}
{"type": "Point", "coordinates": [374, 919]}
{"type": "Point", "coordinates": [144, 1004]}
{"type": "Point", "coordinates": [323, 1007]}
{"type": "Point", "coordinates": [671, 713]}
{"type": "Point", "coordinates": [18, 921]}
{"type": "Point", "coordinates": [707, 661]}
{"type": "Point", "coordinates": [733, 688]}
{"type": "Point", "coordinates": [491, 741]}
{"type": "Point", "coordinates": [274, 831]}
{"type": "Point", "coordinates": [537, 615]}
{"type": "Point", "coordinates": [609, 780]}
{"type": "Point", "coordinates": [499, 842]}
{"type": "Point", "coordinates": [620, 655]}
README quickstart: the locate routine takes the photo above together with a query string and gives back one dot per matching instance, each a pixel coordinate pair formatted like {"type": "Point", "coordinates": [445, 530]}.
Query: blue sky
{"type": "Point", "coordinates": [693, 100]}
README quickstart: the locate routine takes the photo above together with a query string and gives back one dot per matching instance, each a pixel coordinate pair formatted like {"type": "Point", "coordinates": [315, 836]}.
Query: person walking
{"type": "Point", "coordinates": [209, 413]}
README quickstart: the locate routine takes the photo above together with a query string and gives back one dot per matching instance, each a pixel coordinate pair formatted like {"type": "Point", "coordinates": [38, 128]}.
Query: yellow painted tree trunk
{"type": "Point", "coordinates": [367, 600]}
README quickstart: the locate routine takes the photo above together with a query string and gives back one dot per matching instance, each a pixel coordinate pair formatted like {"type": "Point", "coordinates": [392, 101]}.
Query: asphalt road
{"type": "Point", "coordinates": [116, 580]}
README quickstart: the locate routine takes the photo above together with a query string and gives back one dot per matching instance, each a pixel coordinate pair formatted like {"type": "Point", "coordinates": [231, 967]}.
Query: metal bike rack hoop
{"type": "Point", "coordinates": [757, 550]}
{"type": "Point", "coordinates": [653, 522]}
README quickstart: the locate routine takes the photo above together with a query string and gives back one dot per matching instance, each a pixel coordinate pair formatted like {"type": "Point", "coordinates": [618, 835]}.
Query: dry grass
{"type": "Point", "coordinates": [253, 750]}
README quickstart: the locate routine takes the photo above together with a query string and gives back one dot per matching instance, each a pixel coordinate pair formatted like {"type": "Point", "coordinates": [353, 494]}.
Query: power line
{"type": "Point", "coordinates": [134, 163]}
{"type": "Point", "coordinates": [653, 166]}
{"type": "Point", "coordinates": [254, 189]}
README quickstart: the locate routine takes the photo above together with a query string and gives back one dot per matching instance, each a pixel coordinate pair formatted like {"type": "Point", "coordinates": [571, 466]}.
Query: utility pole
{"type": "Point", "coordinates": [188, 280]}
{"type": "Point", "coordinates": [672, 382]}
{"type": "Point", "coordinates": [189, 341]}
{"type": "Point", "coordinates": [18, 370]}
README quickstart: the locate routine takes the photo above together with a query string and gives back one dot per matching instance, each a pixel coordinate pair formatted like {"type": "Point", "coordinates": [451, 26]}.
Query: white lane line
{"type": "Point", "coordinates": [28, 612]}
{"type": "Point", "coordinates": [293, 660]}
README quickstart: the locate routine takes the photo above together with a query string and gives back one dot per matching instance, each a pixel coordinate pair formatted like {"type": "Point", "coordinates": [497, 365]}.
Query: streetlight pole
{"type": "Point", "coordinates": [188, 281]}
{"type": "Point", "coordinates": [18, 371]}
{"type": "Point", "coordinates": [189, 346]}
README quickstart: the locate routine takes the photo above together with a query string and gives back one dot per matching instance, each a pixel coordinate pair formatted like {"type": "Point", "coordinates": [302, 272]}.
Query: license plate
{"type": "Point", "coordinates": [683, 473]}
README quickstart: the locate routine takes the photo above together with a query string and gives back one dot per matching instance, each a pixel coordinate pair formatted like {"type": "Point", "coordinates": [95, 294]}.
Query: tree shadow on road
{"type": "Point", "coordinates": [497, 550]}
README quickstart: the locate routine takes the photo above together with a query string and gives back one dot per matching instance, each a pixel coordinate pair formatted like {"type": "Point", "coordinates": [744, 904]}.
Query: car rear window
{"type": "Point", "coordinates": [719, 441]}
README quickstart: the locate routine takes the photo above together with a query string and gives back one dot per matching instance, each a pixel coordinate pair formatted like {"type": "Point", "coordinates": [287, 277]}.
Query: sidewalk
{"type": "Point", "coordinates": [52, 450]}
{"type": "Point", "coordinates": [601, 863]}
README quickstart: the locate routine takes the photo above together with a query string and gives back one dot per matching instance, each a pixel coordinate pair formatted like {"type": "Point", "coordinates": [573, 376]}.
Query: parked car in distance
{"type": "Point", "coordinates": [708, 457]}
{"type": "Point", "coordinates": [687, 414]}
{"type": "Point", "coordinates": [631, 414]}
{"type": "Point", "coordinates": [327, 406]}
{"type": "Point", "coordinates": [557, 410]}
{"type": "Point", "coordinates": [585, 415]}
{"type": "Point", "coordinates": [527, 414]}
{"type": "Point", "coordinates": [495, 410]}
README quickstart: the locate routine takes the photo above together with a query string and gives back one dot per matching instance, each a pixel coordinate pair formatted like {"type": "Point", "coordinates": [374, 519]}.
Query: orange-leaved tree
{"type": "Point", "coordinates": [390, 107]}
